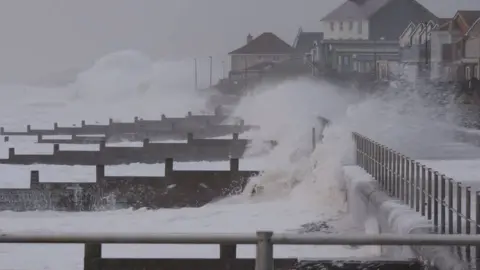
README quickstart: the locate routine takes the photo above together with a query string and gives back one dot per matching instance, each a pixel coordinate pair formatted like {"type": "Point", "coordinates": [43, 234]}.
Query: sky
{"type": "Point", "coordinates": [39, 38]}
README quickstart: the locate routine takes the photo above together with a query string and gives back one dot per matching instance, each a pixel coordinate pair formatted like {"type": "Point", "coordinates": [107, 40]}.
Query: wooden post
{"type": "Point", "coordinates": [55, 125]}
{"type": "Point", "coordinates": [234, 165]}
{"type": "Point", "coordinates": [189, 114]}
{"type": "Point", "coordinates": [228, 254]}
{"type": "Point", "coordinates": [11, 153]}
{"type": "Point", "coordinates": [189, 138]}
{"type": "Point", "coordinates": [2, 130]}
{"type": "Point", "coordinates": [34, 179]}
{"type": "Point", "coordinates": [164, 117]}
{"type": "Point", "coordinates": [39, 138]}
{"type": "Point", "coordinates": [135, 119]}
{"type": "Point", "coordinates": [168, 167]}
{"type": "Point", "coordinates": [29, 128]}
{"type": "Point", "coordinates": [99, 173]}
{"type": "Point", "coordinates": [92, 256]}
{"type": "Point", "coordinates": [56, 148]}
{"type": "Point", "coordinates": [146, 142]}
{"type": "Point", "coordinates": [110, 121]}
{"type": "Point", "coordinates": [6, 139]}
{"type": "Point", "coordinates": [83, 123]}
{"type": "Point", "coordinates": [103, 144]}
{"type": "Point", "coordinates": [235, 136]}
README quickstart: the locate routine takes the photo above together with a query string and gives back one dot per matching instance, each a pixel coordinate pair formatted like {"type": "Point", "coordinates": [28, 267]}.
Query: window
{"type": "Point", "coordinates": [332, 26]}
{"type": "Point", "coordinates": [350, 26]}
{"type": "Point", "coordinates": [359, 27]}
{"type": "Point", "coordinates": [341, 26]}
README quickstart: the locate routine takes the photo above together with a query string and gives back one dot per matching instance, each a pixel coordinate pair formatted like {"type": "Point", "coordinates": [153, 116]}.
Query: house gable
{"type": "Point", "coordinates": [408, 31]}
{"type": "Point", "coordinates": [266, 43]}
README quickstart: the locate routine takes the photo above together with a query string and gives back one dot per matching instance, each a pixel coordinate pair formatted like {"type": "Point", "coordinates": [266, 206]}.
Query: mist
{"type": "Point", "coordinates": [49, 37]}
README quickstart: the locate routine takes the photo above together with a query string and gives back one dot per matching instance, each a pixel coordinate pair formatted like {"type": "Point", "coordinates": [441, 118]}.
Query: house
{"type": "Point", "coordinates": [305, 42]}
{"type": "Point", "coordinates": [464, 24]}
{"type": "Point", "coordinates": [359, 33]}
{"type": "Point", "coordinates": [472, 51]}
{"type": "Point", "coordinates": [267, 47]}
{"type": "Point", "coordinates": [417, 51]}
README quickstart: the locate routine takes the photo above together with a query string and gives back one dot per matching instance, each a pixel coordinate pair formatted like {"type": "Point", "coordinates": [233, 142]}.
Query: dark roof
{"type": "Point", "coordinates": [266, 43]}
{"type": "Point", "coordinates": [470, 16]}
{"type": "Point", "coordinates": [442, 21]}
{"type": "Point", "coordinates": [305, 40]}
{"type": "Point", "coordinates": [356, 10]}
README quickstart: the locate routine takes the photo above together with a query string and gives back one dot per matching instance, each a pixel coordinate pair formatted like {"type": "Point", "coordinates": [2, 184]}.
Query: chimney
{"type": "Point", "coordinates": [249, 38]}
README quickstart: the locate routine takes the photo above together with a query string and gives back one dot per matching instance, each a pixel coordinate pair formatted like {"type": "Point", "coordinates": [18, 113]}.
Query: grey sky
{"type": "Point", "coordinates": [39, 37]}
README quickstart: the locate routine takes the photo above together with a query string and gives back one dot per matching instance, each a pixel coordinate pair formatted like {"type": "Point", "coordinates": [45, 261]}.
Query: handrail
{"type": "Point", "coordinates": [241, 238]}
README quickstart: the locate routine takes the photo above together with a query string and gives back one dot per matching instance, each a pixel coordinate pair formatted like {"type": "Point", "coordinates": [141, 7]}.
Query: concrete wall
{"type": "Point", "coordinates": [382, 214]}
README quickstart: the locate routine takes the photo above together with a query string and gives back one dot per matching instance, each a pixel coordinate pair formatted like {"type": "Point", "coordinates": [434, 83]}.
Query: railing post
{"type": "Point", "coordinates": [450, 206]}
{"type": "Point", "coordinates": [459, 215]}
{"type": "Point", "coordinates": [412, 184]}
{"type": "Point", "coordinates": [430, 199]}
{"type": "Point", "coordinates": [404, 181]}
{"type": "Point", "coordinates": [442, 204]}
{"type": "Point", "coordinates": [477, 229]}
{"type": "Point", "coordinates": [468, 217]}
{"type": "Point", "coordinates": [264, 258]}
{"type": "Point", "coordinates": [92, 256]}
{"type": "Point", "coordinates": [436, 200]}
{"type": "Point", "coordinates": [423, 190]}
{"type": "Point", "coordinates": [418, 187]}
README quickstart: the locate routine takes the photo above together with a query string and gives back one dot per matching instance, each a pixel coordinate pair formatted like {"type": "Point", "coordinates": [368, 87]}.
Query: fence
{"type": "Point", "coordinates": [447, 203]}
{"type": "Point", "coordinates": [264, 241]}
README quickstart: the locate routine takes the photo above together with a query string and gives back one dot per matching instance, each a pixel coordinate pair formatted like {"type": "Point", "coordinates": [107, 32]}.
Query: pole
{"type": "Point", "coordinates": [223, 69]}
{"type": "Point", "coordinates": [245, 59]}
{"type": "Point", "coordinates": [375, 57]}
{"type": "Point", "coordinates": [211, 68]}
{"type": "Point", "coordinates": [426, 45]}
{"type": "Point", "coordinates": [196, 74]}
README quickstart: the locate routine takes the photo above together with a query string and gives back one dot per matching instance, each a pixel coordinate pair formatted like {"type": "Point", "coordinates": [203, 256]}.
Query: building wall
{"type": "Point", "coordinates": [438, 38]}
{"type": "Point", "coordinates": [359, 29]}
{"type": "Point", "coordinates": [239, 62]}
{"type": "Point", "coordinates": [472, 48]}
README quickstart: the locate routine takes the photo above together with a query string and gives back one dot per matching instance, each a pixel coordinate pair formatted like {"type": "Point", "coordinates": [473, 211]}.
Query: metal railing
{"type": "Point", "coordinates": [442, 200]}
{"type": "Point", "coordinates": [264, 241]}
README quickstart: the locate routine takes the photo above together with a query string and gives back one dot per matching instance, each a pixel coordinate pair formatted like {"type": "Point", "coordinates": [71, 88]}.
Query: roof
{"type": "Point", "coordinates": [305, 40]}
{"type": "Point", "coordinates": [470, 16]}
{"type": "Point", "coordinates": [266, 43]}
{"type": "Point", "coordinates": [356, 10]}
{"type": "Point", "coordinates": [474, 29]}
